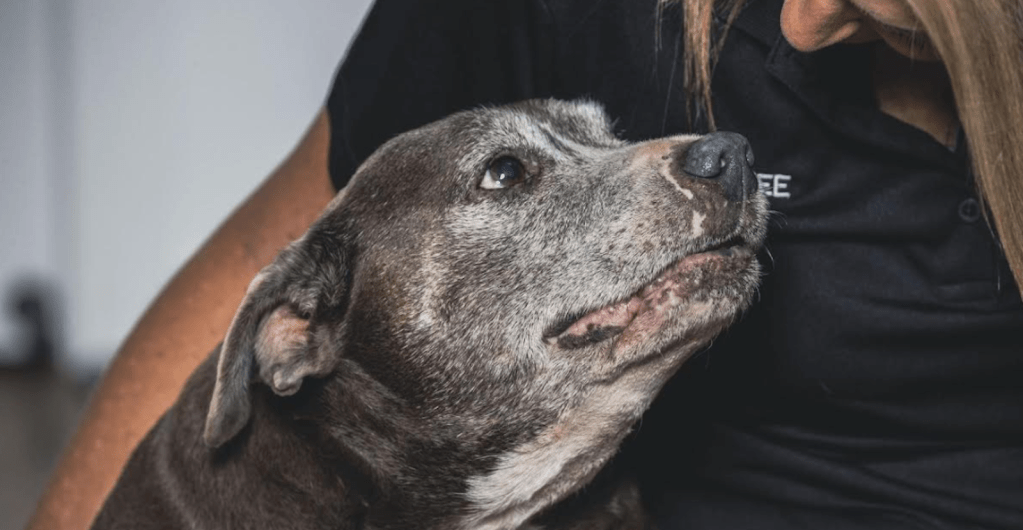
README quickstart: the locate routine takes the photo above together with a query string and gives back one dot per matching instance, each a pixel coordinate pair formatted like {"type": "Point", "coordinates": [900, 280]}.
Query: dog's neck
{"type": "Point", "coordinates": [428, 475]}
{"type": "Point", "coordinates": [392, 471]}
{"type": "Point", "coordinates": [406, 472]}
{"type": "Point", "coordinates": [366, 459]}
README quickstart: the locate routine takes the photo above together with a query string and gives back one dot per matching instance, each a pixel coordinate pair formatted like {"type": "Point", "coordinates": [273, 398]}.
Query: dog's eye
{"type": "Point", "coordinates": [504, 172]}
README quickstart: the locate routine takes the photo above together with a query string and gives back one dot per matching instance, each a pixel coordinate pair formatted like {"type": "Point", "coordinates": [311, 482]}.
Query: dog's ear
{"type": "Point", "coordinates": [269, 340]}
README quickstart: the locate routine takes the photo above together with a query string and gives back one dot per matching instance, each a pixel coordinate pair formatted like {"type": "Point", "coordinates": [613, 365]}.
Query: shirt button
{"type": "Point", "coordinates": [969, 210]}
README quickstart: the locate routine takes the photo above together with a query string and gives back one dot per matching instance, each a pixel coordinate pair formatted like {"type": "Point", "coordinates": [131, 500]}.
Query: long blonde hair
{"type": "Point", "coordinates": [981, 44]}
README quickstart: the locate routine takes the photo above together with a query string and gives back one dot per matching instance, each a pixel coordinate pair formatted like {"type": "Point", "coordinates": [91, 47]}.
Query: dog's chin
{"type": "Point", "coordinates": [692, 298]}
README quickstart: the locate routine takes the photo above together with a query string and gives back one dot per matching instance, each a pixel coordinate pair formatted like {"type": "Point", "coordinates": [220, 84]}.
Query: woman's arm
{"type": "Point", "coordinates": [179, 330]}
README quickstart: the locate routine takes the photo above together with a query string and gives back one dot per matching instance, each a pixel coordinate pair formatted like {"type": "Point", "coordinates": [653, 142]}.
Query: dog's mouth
{"type": "Point", "coordinates": [648, 308]}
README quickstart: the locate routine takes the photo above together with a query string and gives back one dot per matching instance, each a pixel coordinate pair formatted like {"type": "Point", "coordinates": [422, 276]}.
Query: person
{"type": "Point", "coordinates": [878, 381]}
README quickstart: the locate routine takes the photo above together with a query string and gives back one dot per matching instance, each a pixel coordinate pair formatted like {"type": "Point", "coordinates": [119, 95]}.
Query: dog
{"type": "Point", "coordinates": [466, 334]}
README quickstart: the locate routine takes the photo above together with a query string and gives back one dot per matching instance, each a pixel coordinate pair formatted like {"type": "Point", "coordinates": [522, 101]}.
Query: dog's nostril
{"type": "Point", "coordinates": [725, 157]}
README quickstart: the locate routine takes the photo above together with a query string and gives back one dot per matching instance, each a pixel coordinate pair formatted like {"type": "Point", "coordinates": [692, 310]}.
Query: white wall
{"type": "Point", "coordinates": [166, 115]}
{"type": "Point", "coordinates": [29, 248]}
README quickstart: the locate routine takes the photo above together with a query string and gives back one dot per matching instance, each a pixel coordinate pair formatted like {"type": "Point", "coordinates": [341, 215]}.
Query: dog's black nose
{"type": "Point", "coordinates": [725, 157]}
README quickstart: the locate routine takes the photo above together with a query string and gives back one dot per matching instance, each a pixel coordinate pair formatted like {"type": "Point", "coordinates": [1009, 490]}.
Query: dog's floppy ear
{"type": "Point", "coordinates": [269, 340]}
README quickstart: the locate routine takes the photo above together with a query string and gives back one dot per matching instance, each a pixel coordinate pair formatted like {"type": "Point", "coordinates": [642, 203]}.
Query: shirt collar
{"type": "Point", "coordinates": [834, 83]}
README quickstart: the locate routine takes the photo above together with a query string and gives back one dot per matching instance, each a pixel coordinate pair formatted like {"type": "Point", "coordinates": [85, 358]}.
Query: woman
{"type": "Point", "coordinates": [877, 383]}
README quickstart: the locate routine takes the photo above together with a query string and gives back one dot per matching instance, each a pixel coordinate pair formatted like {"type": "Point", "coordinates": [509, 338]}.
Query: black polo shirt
{"type": "Point", "coordinates": [878, 381]}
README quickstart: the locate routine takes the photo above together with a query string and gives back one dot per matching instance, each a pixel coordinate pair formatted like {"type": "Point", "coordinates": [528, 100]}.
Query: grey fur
{"type": "Point", "coordinates": [420, 358]}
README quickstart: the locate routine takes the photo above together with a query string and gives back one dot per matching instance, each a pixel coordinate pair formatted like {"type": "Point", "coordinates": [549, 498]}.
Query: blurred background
{"type": "Point", "coordinates": [128, 131]}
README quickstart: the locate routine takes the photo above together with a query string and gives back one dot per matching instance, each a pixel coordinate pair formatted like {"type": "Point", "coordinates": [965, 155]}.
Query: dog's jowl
{"type": "Point", "coordinates": [466, 334]}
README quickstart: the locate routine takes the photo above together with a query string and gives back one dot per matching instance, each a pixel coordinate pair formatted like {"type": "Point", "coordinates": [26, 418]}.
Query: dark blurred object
{"type": "Point", "coordinates": [39, 404]}
{"type": "Point", "coordinates": [30, 306]}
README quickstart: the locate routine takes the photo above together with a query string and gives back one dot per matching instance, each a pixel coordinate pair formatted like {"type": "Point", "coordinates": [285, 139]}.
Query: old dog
{"type": "Point", "coordinates": [466, 334]}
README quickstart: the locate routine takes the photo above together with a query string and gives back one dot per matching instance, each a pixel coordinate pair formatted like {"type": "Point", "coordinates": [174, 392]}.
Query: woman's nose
{"type": "Point", "coordinates": [810, 25]}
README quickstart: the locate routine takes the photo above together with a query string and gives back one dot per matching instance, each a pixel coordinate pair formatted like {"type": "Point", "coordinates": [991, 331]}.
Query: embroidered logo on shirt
{"type": "Point", "coordinates": [775, 186]}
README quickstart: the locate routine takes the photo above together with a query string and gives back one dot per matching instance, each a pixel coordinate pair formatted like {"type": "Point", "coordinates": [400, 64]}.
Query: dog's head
{"type": "Point", "coordinates": [518, 279]}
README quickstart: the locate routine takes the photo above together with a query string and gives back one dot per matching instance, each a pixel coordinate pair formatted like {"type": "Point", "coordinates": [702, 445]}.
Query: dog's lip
{"type": "Point", "coordinates": [603, 323]}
